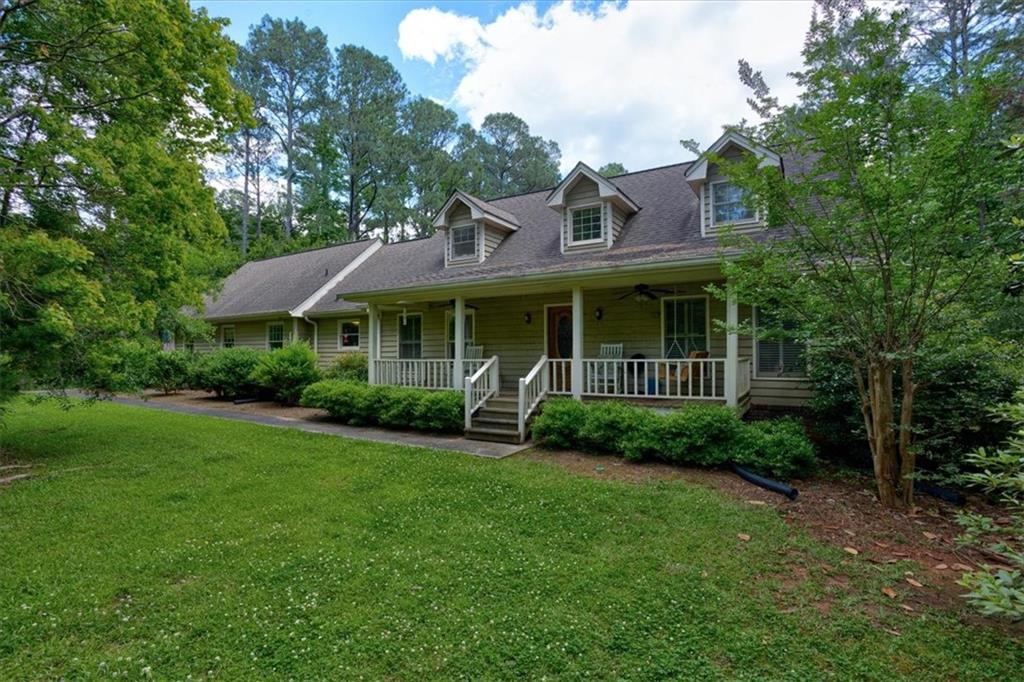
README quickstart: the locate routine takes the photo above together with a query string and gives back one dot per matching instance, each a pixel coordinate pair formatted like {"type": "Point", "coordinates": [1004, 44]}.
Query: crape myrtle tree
{"type": "Point", "coordinates": [887, 227]}
{"type": "Point", "coordinates": [106, 226]}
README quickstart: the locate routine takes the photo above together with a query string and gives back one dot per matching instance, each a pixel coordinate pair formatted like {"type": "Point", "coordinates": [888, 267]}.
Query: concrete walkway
{"type": "Point", "coordinates": [418, 440]}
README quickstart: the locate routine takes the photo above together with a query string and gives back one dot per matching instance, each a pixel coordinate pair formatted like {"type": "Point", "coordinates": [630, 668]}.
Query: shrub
{"type": "Point", "coordinates": [227, 372]}
{"type": "Point", "coordinates": [559, 423]}
{"type": "Point", "coordinates": [286, 372]}
{"type": "Point", "coordinates": [348, 367]}
{"type": "Point", "coordinates": [698, 435]}
{"type": "Point", "coordinates": [171, 371]}
{"type": "Point", "coordinates": [777, 447]}
{"type": "Point", "coordinates": [392, 407]}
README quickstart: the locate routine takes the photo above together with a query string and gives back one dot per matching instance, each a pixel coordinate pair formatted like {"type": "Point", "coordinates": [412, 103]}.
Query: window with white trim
{"type": "Point", "coordinates": [684, 326]}
{"type": "Point", "coordinates": [410, 336]}
{"type": "Point", "coordinates": [227, 336]}
{"type": "Point", "coordinates": [450, 334]}
{"type": "Point", "coordinates": [348, 335]}
{"type": "Point", "coordinates": [464, 241]}
{"type": "Point", "coordinates": [275, 336]}
{"type": "Point", "coordinates": [778, 356]}
{"type": "Point", "coordinates": [728, 204]}
{"type": "Point", "coordinates": [586, 225]}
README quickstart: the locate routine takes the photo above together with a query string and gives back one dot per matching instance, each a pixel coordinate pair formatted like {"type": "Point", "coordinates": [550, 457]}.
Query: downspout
{"type": "Point", "coordinates": [316, 335]}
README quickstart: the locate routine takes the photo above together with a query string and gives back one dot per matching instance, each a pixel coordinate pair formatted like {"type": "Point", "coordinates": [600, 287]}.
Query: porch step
{"type": "Point", "coordinates": [492, 434]}
{"type": "Point", "coordinates": [502, 422]}
{"type": "Point", "coordinates": [498, 412]}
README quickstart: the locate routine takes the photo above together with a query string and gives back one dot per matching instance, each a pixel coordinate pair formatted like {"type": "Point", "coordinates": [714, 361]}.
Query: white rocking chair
{"type": "Point", "coordinates": [606, 375]}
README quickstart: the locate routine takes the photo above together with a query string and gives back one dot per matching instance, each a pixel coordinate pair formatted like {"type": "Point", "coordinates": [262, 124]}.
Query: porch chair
{"type": "Point", "coordinates": [606, 377]}
{"type": "Point", "coordinates": [684, 375]}
{"type": "Point", "coordinates": [474, 352]}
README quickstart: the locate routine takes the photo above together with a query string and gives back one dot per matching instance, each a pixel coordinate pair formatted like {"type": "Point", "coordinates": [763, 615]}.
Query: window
{"type": "Point", "coordinates": [727, 204]}
{"type": "Point", "coordinates": [778, 357]}
{"type": "Point", "coordinates": [275, 336]}
{"type": "Point", "coordinates": [586, 224]}
{"type": "Point", "coordinates": [463, 241]}
{"type": "Point", "coordinates": [410, 336]}
{"type": "Point", "coordinates": [348, 335]}
{"type": "Point", "coordinates": [450, 337]}
{"type": "Point", "coordinates": [685, 326]}
{"type": "Point", "coordinates": [227, 336]}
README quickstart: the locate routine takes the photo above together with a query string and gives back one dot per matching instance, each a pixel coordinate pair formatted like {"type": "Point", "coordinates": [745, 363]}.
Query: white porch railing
{"type": "Point", "coordinates": [533, 388]}
{"type": "Point", "coordinates": [683, 379]}
{"type": "Point", "coordinates": [480, 386]}
{"type": "Point", "coordinates": [422, 373]}
{"type": "Point", "coordinates": [743, 377]}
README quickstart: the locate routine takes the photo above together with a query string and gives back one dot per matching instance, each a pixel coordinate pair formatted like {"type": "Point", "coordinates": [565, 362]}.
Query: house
{"type": "Point", "coordinates": [594, 289]}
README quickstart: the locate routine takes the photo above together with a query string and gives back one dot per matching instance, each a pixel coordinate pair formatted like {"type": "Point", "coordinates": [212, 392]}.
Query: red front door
{"type": "Point", "coordinates": [559, 346]}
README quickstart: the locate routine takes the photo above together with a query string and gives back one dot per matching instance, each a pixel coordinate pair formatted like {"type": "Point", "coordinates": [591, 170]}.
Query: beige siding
{"type": "Point", "coordinates": [460, 213]}
{"type": "Point", "coordinates": [329, 341]}
{"type": "Point", "coordinates": [433, 331]}
{"type": "Point", "coordinates": [618, 221]}
{"type": "Point", "coordinates": [731, 153]}
{"type": "Point", "coordinates": [584, 191]}
{"type": "Point", "coordinates": [492, 238]}
{"type": "Point", "coordinates": [253, 333]}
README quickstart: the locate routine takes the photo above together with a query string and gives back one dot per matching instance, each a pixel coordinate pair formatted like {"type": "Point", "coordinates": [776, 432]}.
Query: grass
{"type": "Point", "coordinates": [170, 545]}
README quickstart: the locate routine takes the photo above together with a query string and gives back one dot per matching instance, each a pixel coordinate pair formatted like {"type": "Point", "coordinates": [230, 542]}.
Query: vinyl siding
{"type": "Point", "coordinates": [732, 153]}
{"type": "Point", "coordinates": [329, 343]}
{"type": "Point", "coordinates": [492, 238]}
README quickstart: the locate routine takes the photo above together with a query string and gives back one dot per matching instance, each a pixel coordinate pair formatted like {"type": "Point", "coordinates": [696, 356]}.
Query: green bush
{"type": "Point", "coordinates": [392, 407]}
{"type": "Point", "coordinates": [777, 447]}
{"type": "Point", "coordinates": [348, 367]}
{"type": "Point", "coordinates": [171, 371]}
{"type": "Point", "coordinates": [958, 383]}
{"type": "Point", "coordinates": [559, 423]}
{"type": "Point", "coordinates": [286, 372]}
{"type": "Point", "coordinates": [227, 372]}
{"type": "Point", "coordinates": [697, 435]}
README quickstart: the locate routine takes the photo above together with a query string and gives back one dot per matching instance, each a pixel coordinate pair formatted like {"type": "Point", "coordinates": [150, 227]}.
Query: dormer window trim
{"type": "Point", "coordinates": [602, 238]}
{"type": "Point", "coordinates": [473, 257]}
{"type": "Point", "coordinates": [756, 219]}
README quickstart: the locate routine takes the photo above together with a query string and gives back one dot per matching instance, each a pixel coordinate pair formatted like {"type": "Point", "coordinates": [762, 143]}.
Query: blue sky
{"type": "Point", "coordinates": [613, 81]}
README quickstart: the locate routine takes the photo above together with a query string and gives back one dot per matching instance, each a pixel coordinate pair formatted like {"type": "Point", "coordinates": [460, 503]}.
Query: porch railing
{"type": "Point", "coordinates": [423, 373]}
{"type": "Point", "coordinates": [683, 379]}
{"type": "Point", "coordinates": [743, 377]}
{"type": "Point", "coordinates": [533, 388]}
{"type": "Point", "coordinates": [480, 386]}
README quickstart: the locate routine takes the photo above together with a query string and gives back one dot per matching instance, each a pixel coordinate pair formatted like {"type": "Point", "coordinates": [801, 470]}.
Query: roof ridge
{"type": "Point", "coordinates": [310, 250]}
{"type": "Point", "coordinates": [612, 177]}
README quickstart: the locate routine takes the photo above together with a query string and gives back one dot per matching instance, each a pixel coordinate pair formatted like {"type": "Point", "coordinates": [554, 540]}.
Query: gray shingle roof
{"type": "Point", "coordinates": [277, 285]}
{"type": "Point", "coordinates": [488, 207]}
{"type": "Point", "coordinates": [667, 228]}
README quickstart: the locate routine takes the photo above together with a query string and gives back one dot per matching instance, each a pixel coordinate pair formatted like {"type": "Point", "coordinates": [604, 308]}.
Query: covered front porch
{"type": "Point", "coordinates": [614, 337]}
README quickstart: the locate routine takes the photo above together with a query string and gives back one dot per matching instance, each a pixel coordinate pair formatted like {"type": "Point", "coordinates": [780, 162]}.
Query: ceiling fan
{"type": "Point", "coordinates": [644, 292]}
{"type": "Point", "coordinates": [451, 304]}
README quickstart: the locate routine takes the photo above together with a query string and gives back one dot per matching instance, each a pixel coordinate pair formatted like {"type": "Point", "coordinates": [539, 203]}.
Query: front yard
{"type": "Point", "coordinates": [149, 543]}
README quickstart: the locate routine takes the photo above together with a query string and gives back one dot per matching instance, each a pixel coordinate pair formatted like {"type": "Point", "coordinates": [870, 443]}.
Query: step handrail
{"type": "Point", "coordinates": [533, 388]}
{"type": "Point", "coordinates": [480, 386]}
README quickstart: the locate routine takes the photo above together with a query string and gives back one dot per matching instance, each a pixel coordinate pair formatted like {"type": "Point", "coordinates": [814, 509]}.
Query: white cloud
{"type": "Point", "coordinates": [616, 82]}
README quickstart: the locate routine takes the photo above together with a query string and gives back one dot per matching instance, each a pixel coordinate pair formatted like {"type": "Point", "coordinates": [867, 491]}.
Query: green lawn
{"type": "Point", "coordinates": [173, 545]}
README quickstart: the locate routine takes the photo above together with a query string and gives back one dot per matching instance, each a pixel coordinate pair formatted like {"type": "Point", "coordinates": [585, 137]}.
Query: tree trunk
{"type": "Point", "coordinates": [258, 181]}
{"type": "Point", "coordinates": [289, 153]}
{"type": "Point", "coordinates": [883, 449]}
{"type": "Point", "coordinates": [245, 194]}
{"type": "Point", "coordinates": [907, 455]}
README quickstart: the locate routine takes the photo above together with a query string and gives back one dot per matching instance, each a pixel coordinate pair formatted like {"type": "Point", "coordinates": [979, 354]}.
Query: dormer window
{"type": "Point", "coordinates": [464, 242]}
{"type": "Point", "coordinates": [727, 205]}
{"type": "Point", "coordinates": [587, 225]}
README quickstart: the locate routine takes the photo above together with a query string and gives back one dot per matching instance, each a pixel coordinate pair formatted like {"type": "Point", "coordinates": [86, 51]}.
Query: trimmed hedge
{"type": "Point", "coordinates": [286, 372]}
{"type": "Point", "coordinates": [392, 407]}
{"type": "Point", "coordinates": [348, 367]}
{"type": "Point", "coordinates": [698, 435]}
{"type": "Point", "coordinates": [227, 372]}
{"type": "Point", "coordinates": [171, 371]}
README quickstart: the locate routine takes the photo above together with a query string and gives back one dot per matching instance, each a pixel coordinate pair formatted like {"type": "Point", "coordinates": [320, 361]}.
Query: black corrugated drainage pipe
{"type": "Point", "coordinates": [766, 483]}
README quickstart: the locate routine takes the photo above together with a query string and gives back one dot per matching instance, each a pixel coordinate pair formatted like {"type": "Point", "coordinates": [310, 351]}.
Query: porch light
{"type": "Point", "coordinates": [527, 318]}
{"type": "Point", "coordinates": [598, 313]}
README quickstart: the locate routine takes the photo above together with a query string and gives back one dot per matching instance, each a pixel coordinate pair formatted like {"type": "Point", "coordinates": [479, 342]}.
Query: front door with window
{"type": "Point", "coordinates": [559, 346]}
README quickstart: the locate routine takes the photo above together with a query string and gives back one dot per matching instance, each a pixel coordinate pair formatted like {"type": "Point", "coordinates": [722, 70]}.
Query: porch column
{"type": "Point", "coordinates": [372, 332]}
{"type": "Point", "coordinates": [577, 343]}
{"type": "Point", "coordinates": [460, 341]}
{"type": "Point", "coordinates": [732, 348]}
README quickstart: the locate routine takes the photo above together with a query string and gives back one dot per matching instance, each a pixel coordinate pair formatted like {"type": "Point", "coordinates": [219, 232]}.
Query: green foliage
{"type": "Point", "coordinates": [391, 407]}
{"type": "Point", "coordinates": [227, 372]}
{"type": "Point", "coordinates": [348, 367]}
{"type": "Point", "coordinates": [777, 447]}
{"type": "Point", "coordinates": [171, 371]}
{"type": "Point", "coordinates": [695, 435]}
{"type": "Point", "coordinates": [959, 381]}
{"type": "Point", "coordinates": [610, 170]}
{"type": "Point", "coordinates": [1000, 473]}
{"type": "Point", "coordinates": [285, 372]}
{"type": "Point", "coordinates": [106, 226]}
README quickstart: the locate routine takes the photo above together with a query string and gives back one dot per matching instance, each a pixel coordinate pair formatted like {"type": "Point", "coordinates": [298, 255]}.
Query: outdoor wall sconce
{"type": "Point", "coordinates": [527, 318]}
{"type": "Point", "coordinates": [598, 313]}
